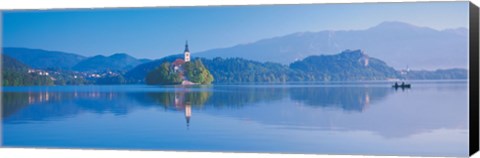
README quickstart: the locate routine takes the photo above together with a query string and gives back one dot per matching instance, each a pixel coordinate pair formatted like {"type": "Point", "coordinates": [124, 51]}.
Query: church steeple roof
{"type": "Point", "coordinates": [186, 46]}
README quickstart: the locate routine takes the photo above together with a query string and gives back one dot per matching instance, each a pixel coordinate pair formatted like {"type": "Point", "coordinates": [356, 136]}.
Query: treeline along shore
{"type": "Point", "coordinates": [28, 67]}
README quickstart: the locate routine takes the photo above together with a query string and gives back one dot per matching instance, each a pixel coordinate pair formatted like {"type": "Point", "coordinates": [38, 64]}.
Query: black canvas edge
{"type": "Point", "coordinates": [474, 79]}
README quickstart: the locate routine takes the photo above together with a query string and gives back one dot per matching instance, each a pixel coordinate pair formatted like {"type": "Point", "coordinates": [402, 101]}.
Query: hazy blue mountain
{"type": "Point", "coordinates": [137, 74]}
{"type": "Point", "coordinates": [398, 44]}
{"type": "Point", "coordinates": [115, 62]}
{"type": "Point", "coordinates": [11, 64]}
{"type": "Point", "coordinates": [43, 59]}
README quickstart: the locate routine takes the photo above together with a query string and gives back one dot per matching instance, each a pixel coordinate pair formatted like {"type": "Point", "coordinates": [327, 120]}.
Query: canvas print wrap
{"type": "Point", "coordinates": [368, 79]}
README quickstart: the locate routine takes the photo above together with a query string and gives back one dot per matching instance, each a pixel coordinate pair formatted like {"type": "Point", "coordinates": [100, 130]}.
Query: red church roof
{"type": "Point", "coordinates": [178, 62]}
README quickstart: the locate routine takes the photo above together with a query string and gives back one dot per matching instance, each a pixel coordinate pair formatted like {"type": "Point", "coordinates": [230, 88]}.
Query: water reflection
{"type": "Point", "coordinates": [69, 103]}
{"type": "Point", "coordinates": [345, 98]}
{"type": "Point", "coordinates": [180, 100]}
{"type": "Point", "coordinates": [291, 106]}
{"type": "Point", "coordinates": [28, 106]}
{"type": "Point", "coordinates": [277, 118]}
{"type": "Point", "coordinates": [13, 102]}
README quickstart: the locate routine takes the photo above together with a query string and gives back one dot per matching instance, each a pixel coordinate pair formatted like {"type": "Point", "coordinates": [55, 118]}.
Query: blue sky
{"type": "Point", "coordinates": [157, 32]}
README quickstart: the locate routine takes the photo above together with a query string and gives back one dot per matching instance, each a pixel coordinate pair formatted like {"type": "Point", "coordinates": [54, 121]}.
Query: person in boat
{"type": "Point", "coordinates": [403, 84]}
{"type": "Point", "coordinates": [396, 84]}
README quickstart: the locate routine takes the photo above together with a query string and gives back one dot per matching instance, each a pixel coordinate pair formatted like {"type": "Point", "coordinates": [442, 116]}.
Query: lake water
{"type": "Point", "coordinates": [430, 119]}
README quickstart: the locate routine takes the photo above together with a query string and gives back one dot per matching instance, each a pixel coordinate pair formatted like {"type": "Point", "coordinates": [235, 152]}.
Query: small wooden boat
{"type": "Point", "coordinates": [403, 85]}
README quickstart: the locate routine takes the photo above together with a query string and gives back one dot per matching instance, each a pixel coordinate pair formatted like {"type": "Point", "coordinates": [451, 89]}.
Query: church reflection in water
{"type": "Point", "coordinates": [181, 100]}
{"type": "Point", "coordinates": [182, 104]}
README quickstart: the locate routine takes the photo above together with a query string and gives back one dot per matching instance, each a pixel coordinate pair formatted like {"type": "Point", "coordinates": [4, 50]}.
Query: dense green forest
{"type": "Point", "coordinates": [196, 72]}
{"type": "Point", "coordinates": [15, 73]}
{"type": "Point", "coordinates": [162, 75]}
{"type": "Point", "coordinates": [237, 70]}
{"type": "Point", "coordinates": [139, 73]}
{"type": "Point", "coordinates": [346, 66]}
{"type": "Point", "coordinates": [109, 80]}
{"type": "Point", "coordinates": [447, 74]}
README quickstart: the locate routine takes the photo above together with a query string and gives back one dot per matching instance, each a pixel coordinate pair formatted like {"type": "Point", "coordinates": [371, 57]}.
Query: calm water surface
{"type": "Point", "coordinates": [431, 119]}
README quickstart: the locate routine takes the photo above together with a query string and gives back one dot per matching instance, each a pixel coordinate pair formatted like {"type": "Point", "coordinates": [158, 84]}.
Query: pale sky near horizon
{"type": "Point", "coordinates": [158, 32]}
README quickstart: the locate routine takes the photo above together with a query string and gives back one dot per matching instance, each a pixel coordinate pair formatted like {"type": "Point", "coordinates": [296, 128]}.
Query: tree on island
{"type": "Point", "coordinates": [197, 73]}
{"type": "Point", "coordinates": [161, 75]}
{"type": "Point", "coordinates": [166, 74]}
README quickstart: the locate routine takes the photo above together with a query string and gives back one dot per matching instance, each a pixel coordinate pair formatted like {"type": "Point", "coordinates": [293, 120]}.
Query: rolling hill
{"type": "Point", "coordinates": [15, 73]}
{"type": "Point", "coordinates": [56, 60]}
{"type": "Point", "coordinates": [115, 62]}
{"type": "Point", "coordinates": [43, 59]}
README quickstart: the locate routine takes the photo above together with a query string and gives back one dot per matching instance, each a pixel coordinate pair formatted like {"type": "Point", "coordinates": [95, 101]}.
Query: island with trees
{"type": "Point", "coordinates": [181, 71]}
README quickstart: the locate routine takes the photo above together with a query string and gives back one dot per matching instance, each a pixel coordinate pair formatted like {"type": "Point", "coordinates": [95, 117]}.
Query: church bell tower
{"type": "Point", "coordinates": [186, 53]}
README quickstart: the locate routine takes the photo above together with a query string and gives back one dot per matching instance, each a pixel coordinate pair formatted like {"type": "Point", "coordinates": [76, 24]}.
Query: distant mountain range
{"type": "Point", "coordinates": [307, 56]}
{"type": "Point", "coordinates": [43, 59]}
{"type": "Point", "coordinates": [398, 44]}
{"type": "Point", "coordinates": [115, 62]}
